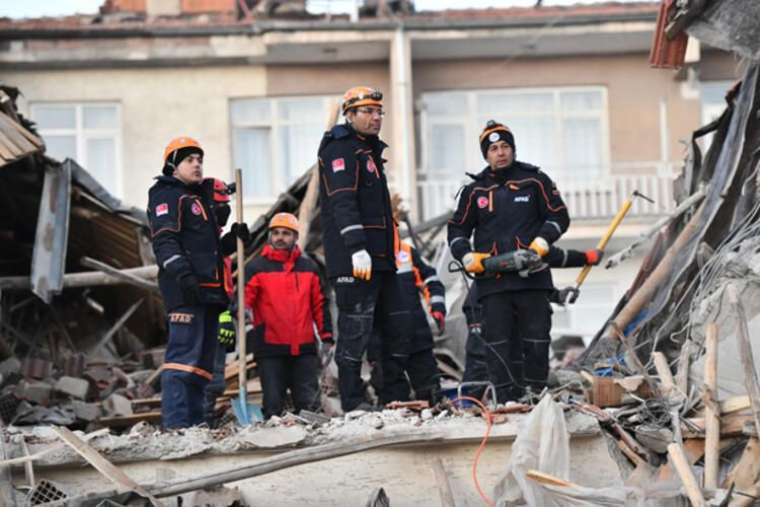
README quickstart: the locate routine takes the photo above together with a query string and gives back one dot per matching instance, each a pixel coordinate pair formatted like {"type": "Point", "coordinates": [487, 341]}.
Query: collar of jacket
{"type": "Point", "coordinates": [374, 142]}
{"type": "Point", "coordinates": [502, 175]}
{"type": "Point", "coordinates": [287, 257]}
{"type": "Point", "coordinates": [171, 180]}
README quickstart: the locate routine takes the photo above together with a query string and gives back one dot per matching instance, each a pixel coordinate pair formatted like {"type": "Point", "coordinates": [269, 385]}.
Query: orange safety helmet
{"type": "Point", "coordinates": [178, 143]}
{"type": "Point", "coordinates": [287, 220]}
{"type": "Point", "coordinates": [362, 96]}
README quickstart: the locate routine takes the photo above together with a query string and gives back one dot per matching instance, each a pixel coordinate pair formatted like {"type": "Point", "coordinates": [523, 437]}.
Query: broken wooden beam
{"type": "Point", "coordinates": [686, 474]}
{"type": "Point", "coordinates": [121, 274]}
{"type": "Point", "coordinates": [83, 279]}
{"type": "Point", "coordinates": [102, 465]}
{"type": "Point", "coordinates": [712, 410]}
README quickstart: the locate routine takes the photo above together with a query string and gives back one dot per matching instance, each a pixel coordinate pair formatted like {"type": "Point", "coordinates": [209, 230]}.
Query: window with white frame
{"type": "Point", "coordinates": [89, 133]}
{"type": "Point", "coordinates": [563, 130]}
{"type": "Point", "coordinates": [275, 140]}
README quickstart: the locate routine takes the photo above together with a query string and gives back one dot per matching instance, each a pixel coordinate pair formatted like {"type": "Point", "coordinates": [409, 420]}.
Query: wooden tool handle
{"type": "Point", "coordinates": [242, 377]}
{"type": "Point", "coordinates": [622, 212]}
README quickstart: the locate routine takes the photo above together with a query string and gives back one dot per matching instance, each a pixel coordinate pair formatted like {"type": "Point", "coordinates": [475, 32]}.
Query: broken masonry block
{"type": "Point", "coordinates": [117, 405]}
{"type": "Point", "coordinates": [34, 367]}
{"type": "Point", "coordinates": [36, 392]}
{"type": "Point", "coordinates": [9, 366]}
{"type": "Point", "coordinates": [86, 411]}
{"type": "Point", "coordinates": [75, 387]}
{"type": "Point", "coordinates": [73, 365]}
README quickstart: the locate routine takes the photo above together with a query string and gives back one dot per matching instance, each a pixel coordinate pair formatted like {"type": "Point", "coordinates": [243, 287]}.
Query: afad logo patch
{"type": "Point", "coordinates": [196, 208]}
{"type": "Point", "coordinates": [482, 202]}
{"type": "Point", "coordinates": [162, 209]}
{"type": "Point", "coordinates": [338, 165]}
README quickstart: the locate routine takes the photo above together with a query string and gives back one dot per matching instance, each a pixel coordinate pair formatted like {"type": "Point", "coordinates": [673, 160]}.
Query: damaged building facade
{"type": "Point", "coordinates": [110, 90]}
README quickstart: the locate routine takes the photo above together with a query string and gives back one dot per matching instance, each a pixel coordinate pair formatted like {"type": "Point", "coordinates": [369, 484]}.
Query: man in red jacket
{"type": "Point", "coordinates": [284, 292]}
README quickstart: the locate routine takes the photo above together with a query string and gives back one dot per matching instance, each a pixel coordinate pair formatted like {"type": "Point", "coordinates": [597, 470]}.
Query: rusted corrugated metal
{"type": "Point", "coordinates": [667, 53]}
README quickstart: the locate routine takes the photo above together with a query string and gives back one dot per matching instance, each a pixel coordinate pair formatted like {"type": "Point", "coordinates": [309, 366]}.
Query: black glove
{"type": "Point", "coordinates": [240, 230]}
{"type": "Point", "coordinates": [191, 289]}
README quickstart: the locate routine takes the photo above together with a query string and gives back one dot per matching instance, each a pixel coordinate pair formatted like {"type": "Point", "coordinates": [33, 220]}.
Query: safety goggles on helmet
{"type": "Point", "coordinates": [362, 96]}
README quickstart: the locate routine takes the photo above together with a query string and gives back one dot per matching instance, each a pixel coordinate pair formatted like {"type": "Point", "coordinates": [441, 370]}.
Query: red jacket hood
{"type": "Point", "coordinates": [287, 257]}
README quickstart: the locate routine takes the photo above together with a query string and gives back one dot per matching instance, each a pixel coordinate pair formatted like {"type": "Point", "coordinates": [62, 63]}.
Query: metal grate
{"type": "Point", "coordinates": [44, 492]}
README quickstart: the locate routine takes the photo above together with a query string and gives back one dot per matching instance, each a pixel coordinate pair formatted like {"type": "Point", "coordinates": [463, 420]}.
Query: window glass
{"type": "Point", "coordinates": [252, 153]}
{"type": "Point", "coordinates": [61, 147]}
{"type": "Point", "coordinates": [99, 117]}
{"type": "Point", "coordinates": [54, 117]}
{"type": "Point", "coordinates": [100, 157]}
{"type": "Point", "coordinates": [250, 111]}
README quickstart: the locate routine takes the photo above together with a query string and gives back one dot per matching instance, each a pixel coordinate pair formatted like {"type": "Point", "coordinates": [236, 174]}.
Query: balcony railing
{"type": "Point", "coordinates": [596, 199]}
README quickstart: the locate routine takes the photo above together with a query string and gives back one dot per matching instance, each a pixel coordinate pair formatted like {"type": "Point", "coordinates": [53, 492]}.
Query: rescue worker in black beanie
{"type": "Point", "coordinates": [186, 243]}
{"type": "Point", "coordinates": [510, 205]}
{"type": "Point", "coordinates": [359, 237]}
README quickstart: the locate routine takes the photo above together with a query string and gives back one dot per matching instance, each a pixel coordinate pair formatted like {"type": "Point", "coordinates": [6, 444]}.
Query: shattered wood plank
{"type": "Point", "coordinates": [643, 296]}
{"type": "Point", "coordinates": [712, 410]}
{"type": "Point", "coordinates": [745, 353]}
{"type": "Point", "coordinates": [731, 425]}
{"type": "Point", "coordinates": [86, 279]}
{"type": "Point", "coordinates": [119, 323]}
{"type": "Point", "coordinates": [544, 478]}
{"type": "Point", "coordinates": [119, 273]}
{"type": "Point", "coordinates": [686, 474]}
{"type": "Point", "coordinates": [663, 371]}
{"type": "Point", "coordinates": [444, 486]}
{"type": "Point", "coordinates": [745, 474]}
{"type": "Point", "coordinates": [101, 464]}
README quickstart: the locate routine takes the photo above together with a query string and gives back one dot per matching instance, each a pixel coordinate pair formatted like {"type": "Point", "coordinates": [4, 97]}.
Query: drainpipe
{"type": "Point", "coordinates": [404, 174]}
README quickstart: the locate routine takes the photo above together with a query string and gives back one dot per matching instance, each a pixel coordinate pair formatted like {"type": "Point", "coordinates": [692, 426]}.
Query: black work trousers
{"type": "Point", "coordinates": [364, 306]}
{"type": "Point", "coordinates": [299, 374]}
{"type": "Point", "coordinates": [517, 341]}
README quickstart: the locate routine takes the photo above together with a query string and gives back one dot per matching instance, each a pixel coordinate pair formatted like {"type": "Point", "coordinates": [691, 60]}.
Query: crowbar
{"type": "Point", "coordinates": [622, 212]}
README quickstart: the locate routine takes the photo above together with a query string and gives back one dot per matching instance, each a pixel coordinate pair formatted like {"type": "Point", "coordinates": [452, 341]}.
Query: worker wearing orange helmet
{"type": "Point", "coordinates": [186, 243]}
{"type": "Point", "coordinates": [284, 293]}
{"type": "Point", "coordinates": [359, 238]}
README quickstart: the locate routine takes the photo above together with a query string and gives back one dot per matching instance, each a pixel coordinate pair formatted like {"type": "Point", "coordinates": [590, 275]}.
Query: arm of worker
{"type": "Point", "coordinates": [228, 241]}
{"type": "Point", "coordinates": [461, 225]}
{"type": "Point", "coordinates": [433, 288]}
{"type": "Point", "coordinates": [567, 258]}
{"type": "Point", "coordinates": [339, 170]}
{"type": "Point", "coordinates": [165, 219]}
{"type": "Point", "coordinates": [320, 310]}
{"type": "Point", "coordinates": [552, 209]}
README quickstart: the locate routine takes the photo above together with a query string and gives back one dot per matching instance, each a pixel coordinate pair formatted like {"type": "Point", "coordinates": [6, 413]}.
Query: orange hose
{"type": "Point", "coordinates": [489, 424]}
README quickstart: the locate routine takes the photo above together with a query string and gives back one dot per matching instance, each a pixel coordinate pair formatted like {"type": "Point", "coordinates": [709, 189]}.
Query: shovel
{"type": "Point", "coordinates": [240, 406]}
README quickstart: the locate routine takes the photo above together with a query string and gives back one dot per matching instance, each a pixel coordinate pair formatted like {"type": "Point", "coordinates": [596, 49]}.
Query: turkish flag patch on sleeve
{"type": "Point", "coordinates": [338, 165]}
{"type": "Point", "coordinates": [162, 209]}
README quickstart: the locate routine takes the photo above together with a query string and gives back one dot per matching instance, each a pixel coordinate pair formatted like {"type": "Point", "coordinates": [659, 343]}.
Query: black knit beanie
{"type": "Point", "coordinates": [493, 132]}
{"type": "Point", "coordinates": [178, 156]}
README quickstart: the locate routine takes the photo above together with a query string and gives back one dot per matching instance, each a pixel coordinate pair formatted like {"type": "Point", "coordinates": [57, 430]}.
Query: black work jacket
{"type": "Point", "coordinates": [185, 240]}
{"type": "Point", "coordinates": [355, 202]}
{"type": "Point", "coordinates": [507, 210]}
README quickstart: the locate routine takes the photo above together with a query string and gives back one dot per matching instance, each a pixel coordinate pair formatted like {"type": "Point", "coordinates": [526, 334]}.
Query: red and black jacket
{"type": "Point", "coordinates": [506, 210]}
{"type": "Point", "coordinates": [284, 292]}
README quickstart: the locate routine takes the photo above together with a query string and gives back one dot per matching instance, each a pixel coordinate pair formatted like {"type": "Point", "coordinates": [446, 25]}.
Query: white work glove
{"type": "Point", "coordinates": [361, 261]}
